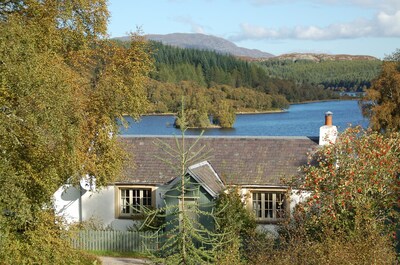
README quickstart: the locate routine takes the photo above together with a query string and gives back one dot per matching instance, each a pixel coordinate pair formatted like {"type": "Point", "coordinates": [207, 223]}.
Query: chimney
{"type": "Point", "coordinates": [328, 118]}
{"type": "Point", "coordinates": [328, 132]}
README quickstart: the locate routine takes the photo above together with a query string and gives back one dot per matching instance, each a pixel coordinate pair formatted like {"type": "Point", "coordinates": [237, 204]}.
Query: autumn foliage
{"type": "Point", "coordinates": [352, 210]}
{"type": "Point", "coordinates": [382, 101]}
{"type": "Point", "coordinates": [355, 182]}
{"type": "Point", "coordinates": [63, 86]}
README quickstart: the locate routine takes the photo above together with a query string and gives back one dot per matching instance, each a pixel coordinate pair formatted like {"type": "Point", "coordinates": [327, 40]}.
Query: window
{"type": "Point", "coordinates": [269, 206]}
{"type": "Point", "coordinates": [130, 200]}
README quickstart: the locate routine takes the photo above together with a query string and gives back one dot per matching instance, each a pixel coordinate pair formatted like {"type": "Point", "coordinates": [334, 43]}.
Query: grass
{"type": "Point", "coordinates": [118, 254]}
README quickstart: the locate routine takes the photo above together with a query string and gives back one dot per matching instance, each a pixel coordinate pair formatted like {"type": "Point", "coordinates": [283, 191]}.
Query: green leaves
{"type": "Point", "coordinates": [62, 89]}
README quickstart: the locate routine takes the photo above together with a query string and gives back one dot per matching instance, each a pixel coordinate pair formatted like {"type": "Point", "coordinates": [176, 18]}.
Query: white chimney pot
{"type": "Point", "coordinates": [327, 132]}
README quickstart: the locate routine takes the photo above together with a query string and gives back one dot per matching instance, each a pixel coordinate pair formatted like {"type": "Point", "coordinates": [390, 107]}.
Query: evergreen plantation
{"type": "Point", "coordinates": [348, 75]}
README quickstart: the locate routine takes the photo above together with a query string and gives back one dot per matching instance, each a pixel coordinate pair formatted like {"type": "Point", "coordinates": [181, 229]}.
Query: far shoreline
{"type": "Point", "coordinates": [273, 111]}
{"type": "Point", "coordinates": [325, 100]}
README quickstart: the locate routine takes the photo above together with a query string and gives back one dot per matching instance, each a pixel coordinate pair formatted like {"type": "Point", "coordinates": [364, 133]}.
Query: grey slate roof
{"type": "Point", "coordinates": [206, 176]}
{"type": "Point", "coordinates": [237, 160]}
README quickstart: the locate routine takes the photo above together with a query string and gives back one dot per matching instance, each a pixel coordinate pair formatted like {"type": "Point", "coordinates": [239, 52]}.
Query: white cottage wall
{"type": "Point", "coordinates": [77, 205]}
{"type": "Point", "coordinates": [98, 207]}
{"type": "Point", "coordinates": [66, 203]}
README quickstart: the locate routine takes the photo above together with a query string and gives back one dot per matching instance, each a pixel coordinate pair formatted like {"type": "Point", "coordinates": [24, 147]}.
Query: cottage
{"type": "Point", "coordinates": [258, 165]}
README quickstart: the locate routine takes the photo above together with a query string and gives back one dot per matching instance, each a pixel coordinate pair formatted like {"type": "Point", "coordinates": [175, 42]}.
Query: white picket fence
{"type": "Point", "coordinates": [107, 240]}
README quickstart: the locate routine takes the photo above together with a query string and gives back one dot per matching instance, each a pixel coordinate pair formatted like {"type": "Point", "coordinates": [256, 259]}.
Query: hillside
{"type": "Point", "coordinates": [205, 42]}
{"type": "Point", "coordinates": [216, 77]}
{"type": "Point", "coordinates": [220, 45]}
{"type": "Point", "coordinates": [333, 72]}
{"type": "Point", "coordinates": [208, 42]}
{"type": "Point", "coordinates": [319, 57]}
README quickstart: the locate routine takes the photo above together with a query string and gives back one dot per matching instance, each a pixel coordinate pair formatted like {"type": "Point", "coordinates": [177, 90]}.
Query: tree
{"type": "Point", "coordinates": [354, 193]}
{"type": "Point", "coordinates": [186, 240]}
{"type": "Point", "coordinates": [351, 209]}
{"type": "Point", "coordinates": [63, 87]}
{"type": "Point", "coordinates": [224, 114]}
{"type": "Point", "coordinates": [197, 109]}
{"type": "Point", "coordinates": [355, 181]}
{"type": "Point", "coordinates": [382, 101]}
{"type": "Point", "coordinates": [237, 223]}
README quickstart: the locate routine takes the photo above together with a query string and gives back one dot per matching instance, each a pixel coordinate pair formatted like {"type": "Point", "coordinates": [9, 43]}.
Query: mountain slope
{"type": "Point", "coordinates": [205, 42]}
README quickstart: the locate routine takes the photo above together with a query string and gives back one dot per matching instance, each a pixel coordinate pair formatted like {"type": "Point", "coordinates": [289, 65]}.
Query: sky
{"type": "Point", "coordinates": [357, 27]}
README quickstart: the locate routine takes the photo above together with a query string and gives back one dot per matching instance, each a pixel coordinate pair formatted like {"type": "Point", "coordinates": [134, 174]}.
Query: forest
{"type": "Point", "coordinates": [349, 75]}
{"type": "Point", "coordinates": [208, 80]}
{"type": "Point", "coordinates": [241, 82]}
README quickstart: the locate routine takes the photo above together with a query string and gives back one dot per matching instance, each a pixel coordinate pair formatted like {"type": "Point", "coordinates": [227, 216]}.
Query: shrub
{"type": "Point", "coordinates": [352, 212]}
{"type": "Point", "coordinates": [237, 224]}
{"type": "Point", "coordinates": [43, 242]}
{"type": "Point", "coordinates": [335, 248]}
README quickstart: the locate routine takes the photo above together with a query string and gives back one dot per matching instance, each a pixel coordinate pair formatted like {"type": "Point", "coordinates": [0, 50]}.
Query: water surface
{"type": "Point", "coordinates": [299, 120]}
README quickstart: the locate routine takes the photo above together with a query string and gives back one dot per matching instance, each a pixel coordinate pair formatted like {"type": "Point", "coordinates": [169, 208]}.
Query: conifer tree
{"type": "Point", "coordinates": [185, 239]}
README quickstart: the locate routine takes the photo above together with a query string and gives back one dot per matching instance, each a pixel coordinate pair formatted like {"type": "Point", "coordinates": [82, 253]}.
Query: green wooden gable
{"type": "Point", "coordinates": [202, 187]}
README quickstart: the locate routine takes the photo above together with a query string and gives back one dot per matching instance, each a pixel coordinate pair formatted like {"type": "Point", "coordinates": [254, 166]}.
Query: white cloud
{"type": "Point", "coordinates": [385, 5]}
{"type": "Point", "coordinates": [194, 27]}
{"type": "Point", "coordinates": [384, 24]}
{"type": "Point", "coordinates": [389, 24]}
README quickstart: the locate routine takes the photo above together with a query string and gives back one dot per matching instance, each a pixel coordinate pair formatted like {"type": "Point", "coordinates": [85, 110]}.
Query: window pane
{"type": "Point", "coordinates": [147, 197]}
{"type": "Point", "coordinates": [135, 197]}
{"type": "Point", "coordinates": [269, 205]}
{"type": "Point", "coordinates": [257, 204]}
{"type": "Point", "coordinates": [125, 201]}
{"type": "Point", "coordinates": [132, 200]}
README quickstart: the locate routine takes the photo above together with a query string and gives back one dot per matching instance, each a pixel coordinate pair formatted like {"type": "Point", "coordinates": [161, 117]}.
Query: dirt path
{"type": "Point", "coordinates": [123, 261]}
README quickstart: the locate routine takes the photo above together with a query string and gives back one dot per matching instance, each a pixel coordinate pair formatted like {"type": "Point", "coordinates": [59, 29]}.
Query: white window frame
{"type": "Point", "coordinates": [128, 198]}
{"type": "Point", "coordinates": [269, 206]}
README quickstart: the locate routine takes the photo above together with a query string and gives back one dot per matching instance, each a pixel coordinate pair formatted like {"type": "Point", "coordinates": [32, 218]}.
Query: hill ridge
{"type": "Point", "coordinates": [220, 45]}
{"type": "Point", "coordinates": [205, 42]}
{"type": "Point", "coordinates": [318, 57]}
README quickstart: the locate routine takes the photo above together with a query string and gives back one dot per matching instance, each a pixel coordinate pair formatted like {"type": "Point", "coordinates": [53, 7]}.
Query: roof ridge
{"type": "Point", "coordinates": [205, 162]}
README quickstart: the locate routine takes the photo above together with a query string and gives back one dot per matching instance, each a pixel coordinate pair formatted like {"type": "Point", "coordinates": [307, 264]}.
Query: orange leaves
{"type": "Point", "coordinates": [385, 97]}
{"type": "Point", "coordinates": [355, 178]}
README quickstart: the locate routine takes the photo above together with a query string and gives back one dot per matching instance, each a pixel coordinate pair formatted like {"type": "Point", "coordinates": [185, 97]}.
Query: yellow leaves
{"type": "Point", "coordinates": [61, 92]}
{"type": "Point", "coordinates": [66, 89]}
{"type": "Point", "coordinates": [61, 26]}
{"type": "Point", "coordinates": [385, 94]}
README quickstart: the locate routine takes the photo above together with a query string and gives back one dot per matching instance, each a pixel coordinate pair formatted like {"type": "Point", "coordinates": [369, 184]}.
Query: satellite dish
{"type": "Point", "coordinates": [88, 183]}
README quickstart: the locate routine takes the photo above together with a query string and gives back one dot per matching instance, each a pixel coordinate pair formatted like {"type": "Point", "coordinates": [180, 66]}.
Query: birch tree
{"type": "Point", "coordinates": [63, 86]}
